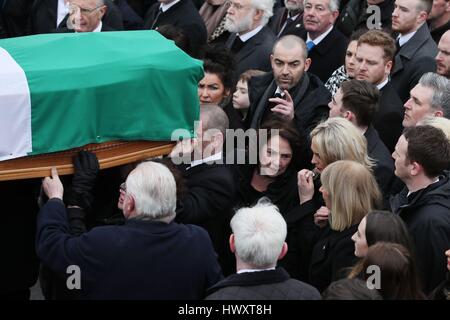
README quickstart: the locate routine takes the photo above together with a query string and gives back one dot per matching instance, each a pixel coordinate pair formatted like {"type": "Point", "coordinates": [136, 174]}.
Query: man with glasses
{"type": "Point", "coordinates": [251, 40]}
{"type": "Point", "coordinates": [48, 16]}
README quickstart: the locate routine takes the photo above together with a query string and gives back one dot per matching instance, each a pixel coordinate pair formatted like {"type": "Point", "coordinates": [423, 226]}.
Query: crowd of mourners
{"type": "Point", "coordinates": [346, 195]}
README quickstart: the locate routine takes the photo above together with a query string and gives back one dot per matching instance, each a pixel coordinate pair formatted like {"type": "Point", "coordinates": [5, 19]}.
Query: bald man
{"type": "Point", "coordinates": [288, 91]}
{"type": "Point", "coordinates": [443, 56]}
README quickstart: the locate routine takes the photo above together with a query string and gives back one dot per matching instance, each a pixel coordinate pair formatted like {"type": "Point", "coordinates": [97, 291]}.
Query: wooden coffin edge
{"type": "Point", "coordinates": [110, 154]}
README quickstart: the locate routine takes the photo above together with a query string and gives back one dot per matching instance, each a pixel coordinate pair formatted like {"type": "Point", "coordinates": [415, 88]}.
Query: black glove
{"type": "Point", "coordinates": [86, 168]}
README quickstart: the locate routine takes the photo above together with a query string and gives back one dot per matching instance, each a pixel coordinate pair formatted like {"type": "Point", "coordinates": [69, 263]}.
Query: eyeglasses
{"type": "Point", "coordinates": [236, 6]}
{"type": "Point", "coordinates": [123, 187]}
{"type": "Point", "coordinates": [74, 8]}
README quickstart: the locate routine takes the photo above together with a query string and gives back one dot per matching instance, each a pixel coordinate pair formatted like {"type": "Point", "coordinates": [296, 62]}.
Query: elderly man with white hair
{"type": "Point", "coordinates": [251, 40]}
{"type": "Point", "coordinates": [149, 257]}
{"type": "Point", "coordinates": [258, 242]}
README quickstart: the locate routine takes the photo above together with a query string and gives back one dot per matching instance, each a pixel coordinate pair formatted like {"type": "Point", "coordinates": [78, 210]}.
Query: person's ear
{"type": "Point", "coordinates": [283, 252]}
{"type": "Point", "coordinates": [439, 113]}
{"type": "Point", "coordinates": [416, 168]}
{"type": "Point", "coordinates": [388, 67]}
{"type": "Point", "coordinates": [258, 15]}
{"type": "Point", "coordinates": [307, 64]}
{"type": "Point", "coordinates": [232, 245]}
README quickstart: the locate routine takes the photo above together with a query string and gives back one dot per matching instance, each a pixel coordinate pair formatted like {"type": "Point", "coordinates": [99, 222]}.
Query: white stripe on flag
{"type": "Point", "coordinates": [15, 109]}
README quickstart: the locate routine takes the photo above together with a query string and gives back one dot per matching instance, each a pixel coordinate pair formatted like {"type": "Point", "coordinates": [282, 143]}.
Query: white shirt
{"type": "Point", "coordinates": [62, 11]}
{"type": "Point", "coordinates": [214, 157]}
{"type": "Point", "coordinates": [402, 39]}
{"type": "Point", "coordinates": [166, 6]}
{"type": "Point", "coordinates": [382, 84]}
{"type": "Point", "coordinates": [254, 270]}
{"type": "Point", "coordinates": [99, 27]}
{"type": "Point", "coordinates": [244, 37]}
{"type": "Point", "coordinates": [319, 38]}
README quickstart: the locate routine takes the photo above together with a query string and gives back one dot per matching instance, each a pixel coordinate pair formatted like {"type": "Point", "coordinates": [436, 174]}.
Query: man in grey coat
{"type": "Point", "coordinates": [416, 48]}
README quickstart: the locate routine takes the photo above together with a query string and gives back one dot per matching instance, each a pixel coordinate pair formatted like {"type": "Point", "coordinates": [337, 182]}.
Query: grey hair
{"type": "Point", "coordinates": [266, 6]}
{"type": "Point", "coordinates": [215, 118]}
{"type": "Point", "coordinates": [440, 85]}
{"type": "Point", "coordinates": [259, 234]}
{"type": "Point", "coordinates": [153, 188]}
{"type": "Point", "coordinates": [333, 5]}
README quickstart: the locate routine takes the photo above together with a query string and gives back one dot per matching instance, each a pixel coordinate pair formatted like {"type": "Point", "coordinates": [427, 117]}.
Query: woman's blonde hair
{"type": "Point", "coordinates": [437, 122]}
{"type": "Point", "coordinates": [338, 139]}
{"type": "Point", "coordinates": [353, 192]}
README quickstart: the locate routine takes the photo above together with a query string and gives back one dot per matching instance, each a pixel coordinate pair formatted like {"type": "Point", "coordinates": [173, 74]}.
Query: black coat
{"type": "Point", "coordinates": [328, 55]}
{"type": "Point", "coordinates": [354, 16]}
{"type": "Point", "coordinates": [255, 54]}
{"type": "Point", "coordinates": [262, 285]}
{"type": "Point", "coordinates": [20, 265]}
{"type": "Point", "coordinates": [278, 20]}
{"type": "Point", "coordinates": [437, 33]}
{"type": "Point", "coordinates": [14, 15]}
{"type": "Point", "coordinates": [45, 12]}
{"type": "Point", "coordinates": [183, 15]}
{"type": "Point", "coordinates": [388, 119]}
{"type": "Point", "coordinates": [384, 169]}
{"type": "Point", "coordinates": [310, 98]}
{"type": "Point", "coordinates": [282, 192]}
{"type": "Point", "coordinates": [208, 202]}
{"type": "Point", "coordinates": [138, 260]}
{"type": "Point", "coordinates": [426, 213]}
{"type": "Point", "coordinates": [332, 254]}
{"type": "Point", "coordinates": [415, 58]}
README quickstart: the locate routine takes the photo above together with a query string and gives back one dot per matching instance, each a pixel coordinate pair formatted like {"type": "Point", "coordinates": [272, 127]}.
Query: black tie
{"type": "Point", "coordinates": [238, 44]}
{"type": "Point", "coordinates": [156, 19]}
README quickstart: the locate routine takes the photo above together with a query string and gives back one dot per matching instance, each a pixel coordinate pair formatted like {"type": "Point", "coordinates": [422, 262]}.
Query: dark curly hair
{"type": "Point", "coordinates": [218, 60]}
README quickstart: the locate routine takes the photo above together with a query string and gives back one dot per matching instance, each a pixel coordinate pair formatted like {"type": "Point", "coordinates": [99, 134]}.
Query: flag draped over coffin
{"type": "Point", "coordinates": [61, 91]}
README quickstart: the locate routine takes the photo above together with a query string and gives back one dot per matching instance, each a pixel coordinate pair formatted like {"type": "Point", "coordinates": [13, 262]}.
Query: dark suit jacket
{"type": "Point", "coordinates": [262, 285]}
{"type": "Point", "coordinates": [278, 20]}
{"type": "Point", "coordinates": [415, 58]}
{"type": "Point", "coordinates": [14, 15]}
{"type": "Point", "coordinates": [208, 202]}
{"type": "Point", "coordinates": [138, 260]}
{"type": "Point", "coordinates": [183, 15]}
{"type": "Point", "coordinates": [331, 254]}
{"type": "Point", "coordinates": [255, 54]}
{"type": "Point", "coordinates": [388, 119]}
{"type": "Point", "coordinates": [44, 14]}
{"type": "Point", "coordinates": [310, 97]}
{"type": "Point", "coordinates": [328, 55]}
{"type": "Point", "coordinates": [105, 28]}
{"type": "Point", "coordinates": [437, 33]}
{"type": "Point", "coordinates": [384, 169]}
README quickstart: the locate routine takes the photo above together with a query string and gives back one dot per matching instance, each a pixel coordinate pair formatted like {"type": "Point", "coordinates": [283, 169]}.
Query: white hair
{"type": "Point", "coordinates": [259, 234]}
{"type": "Point", "coordinates": [266, 6]}
{"type": "Point", "coordinates": [333, 5]}
{"type": "Point", "coordinates": [153, 188]}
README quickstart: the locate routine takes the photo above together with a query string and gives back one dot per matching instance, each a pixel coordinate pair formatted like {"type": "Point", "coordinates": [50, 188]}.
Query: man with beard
{"type": "Point", "coordinates": [443, 57]}
{"type": "Point", "coordinates": [288, 19]}
{"type": "Point", "coordinates": [439, 19]}
{"type": "Point", "coordinates": [288, 90]}
{"type": "Point", "coordinates": [416, 49]}
{"type": "Point", "coordinates": [251, 40]}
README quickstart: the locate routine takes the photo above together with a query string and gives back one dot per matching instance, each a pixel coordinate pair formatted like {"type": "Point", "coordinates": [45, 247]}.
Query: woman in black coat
{"type": "Point", "coordinates": [350, 191]}
{"type": "Point", "coordinates": [275, 174]}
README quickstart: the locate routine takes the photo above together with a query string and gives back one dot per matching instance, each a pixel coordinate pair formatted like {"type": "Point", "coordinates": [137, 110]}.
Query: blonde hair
{"type": "Point", "coordinates": [353, 192]}
{"type": "Point", "coordinates": [338, 139]}
{"type": "Point", "coordinates": [437, 122]}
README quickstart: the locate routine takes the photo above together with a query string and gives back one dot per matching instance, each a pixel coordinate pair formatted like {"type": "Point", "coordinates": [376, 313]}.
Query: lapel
{"type": "Point", "coordinates": [326, 44]}
{"type": "Point", "coordinates": [300, 91]}
{"type": "Point", "coordinates": [409, 49]}
{"type": "Point", "coordinates": [230, 40]}
{"type": "Point", "coordinates": [251, 45]}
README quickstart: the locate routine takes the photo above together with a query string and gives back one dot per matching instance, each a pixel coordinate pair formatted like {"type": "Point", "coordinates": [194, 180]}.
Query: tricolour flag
{"type": "Point", "coordinates": [61, 91]}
